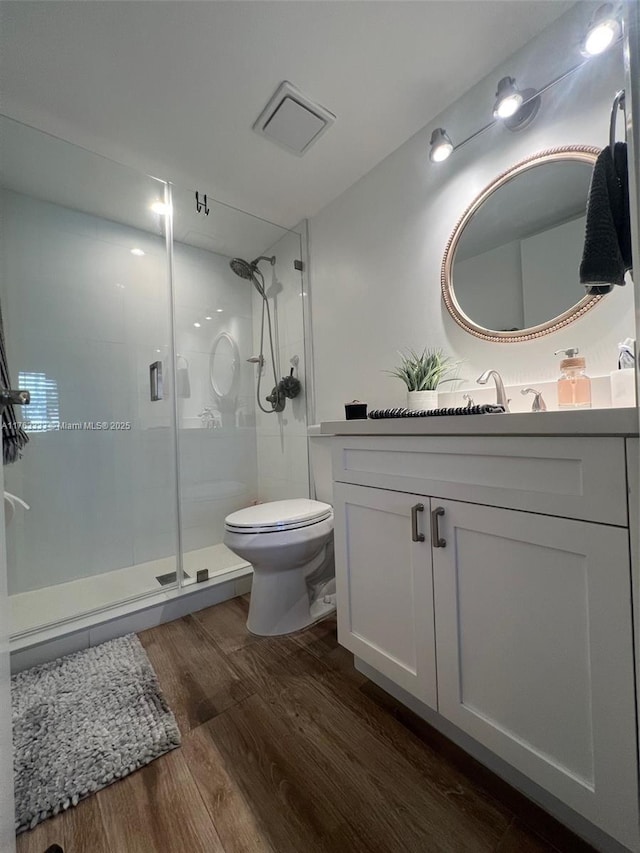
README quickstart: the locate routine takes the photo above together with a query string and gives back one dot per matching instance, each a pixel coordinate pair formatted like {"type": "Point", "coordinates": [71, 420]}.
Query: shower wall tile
{"type": "Point", "coordinates": [83, 312]}
{"type": "Point", "coordinates": [218, 466]}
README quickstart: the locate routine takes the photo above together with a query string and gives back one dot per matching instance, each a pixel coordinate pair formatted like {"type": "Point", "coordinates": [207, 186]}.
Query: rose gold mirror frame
{"type": "Point", "coordinates": [583, 153]}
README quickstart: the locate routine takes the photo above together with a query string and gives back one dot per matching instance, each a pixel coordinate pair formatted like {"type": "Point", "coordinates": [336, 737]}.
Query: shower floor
{"type": "Point", "coordinates": [63, 602]}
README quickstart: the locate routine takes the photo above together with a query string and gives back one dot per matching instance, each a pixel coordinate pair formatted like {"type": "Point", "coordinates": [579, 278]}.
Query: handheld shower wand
{"type": "Point", "coordinates": [249, 271]}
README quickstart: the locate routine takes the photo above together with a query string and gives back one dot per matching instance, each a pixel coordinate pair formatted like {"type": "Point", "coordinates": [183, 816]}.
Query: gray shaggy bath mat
{"type": "Point", "coordinates": [83, 721]}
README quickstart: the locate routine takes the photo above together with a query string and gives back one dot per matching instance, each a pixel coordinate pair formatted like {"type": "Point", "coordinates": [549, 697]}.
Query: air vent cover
{"type": "Point", "coordinates": [292, 121]}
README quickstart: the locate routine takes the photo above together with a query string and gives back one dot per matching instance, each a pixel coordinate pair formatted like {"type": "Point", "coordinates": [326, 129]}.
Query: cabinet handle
{"type": "Point", "coordinates": [415, 536]}
{"type": "Point", "coordinates": [436, 541]}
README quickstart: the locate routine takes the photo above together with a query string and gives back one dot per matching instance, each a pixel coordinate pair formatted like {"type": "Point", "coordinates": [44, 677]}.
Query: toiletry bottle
{"type": "Point", "coordinates": [574, 386]}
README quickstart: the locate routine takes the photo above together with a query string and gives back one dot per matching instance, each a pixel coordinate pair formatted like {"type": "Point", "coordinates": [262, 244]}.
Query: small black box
{"type": "Point", "coordinates": [202, 575]}
{"type": "Point", "coordinates": [355, 411]}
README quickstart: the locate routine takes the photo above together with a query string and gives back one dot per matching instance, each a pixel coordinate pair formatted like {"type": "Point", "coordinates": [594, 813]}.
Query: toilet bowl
{"type": "Point", "coordinates": [290, 546]}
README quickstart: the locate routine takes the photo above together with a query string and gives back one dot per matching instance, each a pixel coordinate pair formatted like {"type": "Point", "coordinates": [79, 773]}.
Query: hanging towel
{"type": "Point", "coordinates": [183, 384]}
{"type": "Point", "coordinates": [14, 437]}
{"type": "Point", "coordinates": [607, 246]}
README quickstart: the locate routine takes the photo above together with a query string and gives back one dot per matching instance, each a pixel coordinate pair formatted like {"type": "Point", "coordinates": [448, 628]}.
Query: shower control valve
{"type": "Point", "coordinates": [277, 399]}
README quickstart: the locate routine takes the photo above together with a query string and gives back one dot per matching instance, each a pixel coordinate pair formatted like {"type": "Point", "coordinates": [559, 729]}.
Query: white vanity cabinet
{"type": "Point", "coordinates": [512, 620]}
{"type": "Point", "coordinates": [386, 615]}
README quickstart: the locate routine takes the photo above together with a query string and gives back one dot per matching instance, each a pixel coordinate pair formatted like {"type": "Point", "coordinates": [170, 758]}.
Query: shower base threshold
{"type": "Point", "coordinates": [77, 604]}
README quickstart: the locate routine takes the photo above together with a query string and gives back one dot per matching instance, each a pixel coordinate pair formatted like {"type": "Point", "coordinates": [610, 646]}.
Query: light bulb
{"type": "Point", "coordinates": [508, 98]}
{"type": "Point", "coordinates": [137, 252]}
{"type": "Point", "coordinates": [600, 37]}
{"type": "Point", "coordinates": [441, 152]}
{"type": "Point", "coordinates": [441, 145]}
{"type": "Point", "coordinates": [197, 325]}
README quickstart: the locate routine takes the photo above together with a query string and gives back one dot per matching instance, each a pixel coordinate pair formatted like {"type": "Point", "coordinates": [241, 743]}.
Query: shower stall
{"type": "Point", "coordinates": [141, 349]}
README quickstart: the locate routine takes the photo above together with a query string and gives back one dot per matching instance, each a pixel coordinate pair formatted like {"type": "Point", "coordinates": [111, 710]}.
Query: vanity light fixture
{"type": "Point", "coordinates": [508, 98]}
{"type": "Point", "coordinates": [603, 31]}
{"type": "Point", "coordinates": [441, 145]}
{"type": "Point", "coordinates": [516, 108]}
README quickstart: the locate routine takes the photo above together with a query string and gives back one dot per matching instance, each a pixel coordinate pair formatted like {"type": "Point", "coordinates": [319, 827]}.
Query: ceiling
{"type": "Point", "coordinates": [173, 88]}
{"type": "Point", "coordinates": [45, 168]}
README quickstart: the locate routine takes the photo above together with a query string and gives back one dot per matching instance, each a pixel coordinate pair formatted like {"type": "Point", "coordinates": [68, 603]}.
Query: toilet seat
{"type": "Point", "coordinates": [276, 516]}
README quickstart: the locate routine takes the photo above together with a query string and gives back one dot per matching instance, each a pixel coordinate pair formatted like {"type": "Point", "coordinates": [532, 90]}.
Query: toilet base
{"type": "Point", "coordinates": [279, 605]}
{"type": "Point", "coordinates": [315, 614]}
{"type": "Point", "coordinates": [283, 602]}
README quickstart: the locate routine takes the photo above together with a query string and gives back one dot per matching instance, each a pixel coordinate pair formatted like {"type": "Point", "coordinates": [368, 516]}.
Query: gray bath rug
{"type": "Point", "coordinates": [83, 721]}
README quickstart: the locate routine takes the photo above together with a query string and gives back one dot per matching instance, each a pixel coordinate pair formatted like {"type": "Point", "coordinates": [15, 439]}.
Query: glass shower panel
{"type": "Point", "coordinates": [217, 347]}
{"type": "Point", "coordinates": [85, 298]}
{"type": "Point", "coordinates": [283, 469]}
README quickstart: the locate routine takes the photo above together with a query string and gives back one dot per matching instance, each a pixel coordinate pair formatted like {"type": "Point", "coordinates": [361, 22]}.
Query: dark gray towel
{"type": "Point", "coordinates": [607, 245]}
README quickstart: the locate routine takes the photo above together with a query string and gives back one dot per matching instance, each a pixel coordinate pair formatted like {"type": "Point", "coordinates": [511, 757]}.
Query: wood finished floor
{"type": "Point", "coordinates": [287, 749]}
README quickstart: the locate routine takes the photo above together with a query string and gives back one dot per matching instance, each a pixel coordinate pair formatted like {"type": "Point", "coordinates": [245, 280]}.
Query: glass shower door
{"type": "Point", "coordinates": [91, 514]}
{"type": "Point", "coordinates": [229, 451]}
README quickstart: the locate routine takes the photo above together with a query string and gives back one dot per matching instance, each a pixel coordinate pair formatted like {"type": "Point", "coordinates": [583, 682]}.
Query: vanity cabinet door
{"type": "Point", "coordinates": [535, 652]}
{"type": "Point", "coordinates": [384, 583]}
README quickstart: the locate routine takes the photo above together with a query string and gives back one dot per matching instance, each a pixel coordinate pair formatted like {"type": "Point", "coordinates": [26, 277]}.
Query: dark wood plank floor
{"type": "Point", "coordinates": [288, 749]}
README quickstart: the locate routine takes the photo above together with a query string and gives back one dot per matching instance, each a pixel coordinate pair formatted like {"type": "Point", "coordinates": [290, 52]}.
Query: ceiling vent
{"type": "Point", "coordinates": [292, 121]}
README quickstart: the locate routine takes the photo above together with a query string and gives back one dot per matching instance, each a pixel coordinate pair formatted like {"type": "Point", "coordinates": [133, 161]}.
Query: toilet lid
{"type": "Point", "coordinates": [278, 515]}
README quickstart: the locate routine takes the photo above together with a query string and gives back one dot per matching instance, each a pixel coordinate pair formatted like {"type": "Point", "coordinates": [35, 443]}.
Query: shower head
{"type": "Point", "coordinates": [247, 270]}
{"type": "Point", "coordinates": [242, 268]}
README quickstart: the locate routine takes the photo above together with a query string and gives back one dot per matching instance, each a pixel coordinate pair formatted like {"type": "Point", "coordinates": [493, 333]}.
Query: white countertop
{"type": "Point", "coordinates": [581, 422]}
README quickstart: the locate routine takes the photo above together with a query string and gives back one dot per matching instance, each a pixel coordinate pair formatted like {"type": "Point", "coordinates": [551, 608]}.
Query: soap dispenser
{"type": "Point", "coordinates": [574, 386]}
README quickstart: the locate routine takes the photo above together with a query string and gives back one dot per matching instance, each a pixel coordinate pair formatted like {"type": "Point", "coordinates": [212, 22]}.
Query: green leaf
{"type": "Point", "coordinates": [426, 370]}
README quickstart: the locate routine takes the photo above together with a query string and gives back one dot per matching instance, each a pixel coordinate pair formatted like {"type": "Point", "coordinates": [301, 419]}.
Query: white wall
{"type": "Point", "coordinates": [283, 470]}
{"type": "Point", "coordinates": [376, 250]}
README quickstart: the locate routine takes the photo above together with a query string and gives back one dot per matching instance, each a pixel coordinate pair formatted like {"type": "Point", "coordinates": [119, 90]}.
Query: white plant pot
{"type": "Point", "coordinates": [422, 400]}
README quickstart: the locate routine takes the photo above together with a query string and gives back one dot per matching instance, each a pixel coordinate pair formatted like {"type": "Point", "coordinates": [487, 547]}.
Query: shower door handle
{"type": "Point", "coordinates": [155, 381]}
{"type": "Point", "coordinates": [14, 397]}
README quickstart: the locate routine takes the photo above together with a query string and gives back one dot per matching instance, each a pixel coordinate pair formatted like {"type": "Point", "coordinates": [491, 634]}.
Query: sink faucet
{"type": "Point", "coordinates": [208, 418]}
{"type": "Point", "coordinates": [500, 392]}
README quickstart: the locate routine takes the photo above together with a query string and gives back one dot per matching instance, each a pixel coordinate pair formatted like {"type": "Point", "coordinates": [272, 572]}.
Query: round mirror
{"type": "Point", "coordinates": [224, 365]}
{"type": "Point", "coordinates": [511, 267]}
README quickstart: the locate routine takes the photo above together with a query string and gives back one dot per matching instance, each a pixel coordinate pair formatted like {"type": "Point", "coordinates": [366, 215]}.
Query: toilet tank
{"type": "Point", "coordinates": [320, 459]}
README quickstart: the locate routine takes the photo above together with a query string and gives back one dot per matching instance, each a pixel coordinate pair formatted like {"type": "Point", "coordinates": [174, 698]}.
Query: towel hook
{"type": "Point", "coordinates": [618, 103]}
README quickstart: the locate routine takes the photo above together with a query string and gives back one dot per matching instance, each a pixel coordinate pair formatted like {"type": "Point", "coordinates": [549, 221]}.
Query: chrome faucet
{"type": "Point", "coordinates": [539, 404]}
{"type": "Point", "coordinates": [501, 396]}
{"type": "Point", "coordinates": [208, 418]}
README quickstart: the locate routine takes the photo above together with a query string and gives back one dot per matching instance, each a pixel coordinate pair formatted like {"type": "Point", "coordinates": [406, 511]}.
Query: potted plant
{"type": "Point", "coordinates": [422, 373]}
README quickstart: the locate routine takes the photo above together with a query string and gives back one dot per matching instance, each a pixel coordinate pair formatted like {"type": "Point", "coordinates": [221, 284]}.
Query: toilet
{"type": "Point", "coordinates": [290, 546]}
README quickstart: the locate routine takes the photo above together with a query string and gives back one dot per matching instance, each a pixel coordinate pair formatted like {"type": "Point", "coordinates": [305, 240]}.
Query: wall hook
{"type": "Point", "coordinates": [201, 204]}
